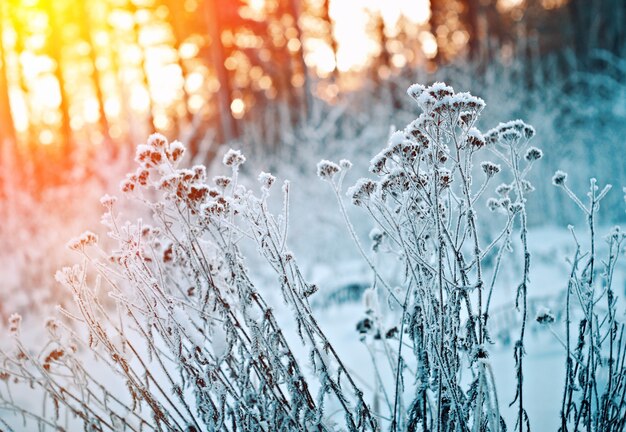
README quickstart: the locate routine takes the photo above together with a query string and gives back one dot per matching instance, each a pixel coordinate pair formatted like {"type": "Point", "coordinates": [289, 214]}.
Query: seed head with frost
{"type": "Point", "coordinates": [326, 169]}
{"type": "Point", "coordinates": [233, 158]}
{"type": "Point", "coordinates": [266, 180]}
{"type": "Point", "coordinates": [361, 191]}
{"type": "Point", "coordinates": [475, 139]}
{"type": "Point", "coordinates": [544, 316]}
{"type": "Point", "coordinates": [176, 151]}
{"type": "Point", "coordinates": [86, 239]}
{"type": "Point", "coordinates": [490, 169]}
{"type": "Point", "coordinates": [559, 178]}
{"type": "Point", "coordinates": [157, 140]}
{"type": "Point", "coordinates": [533, 154]}
{"type": "Point", "coordinates": [107, 201]}
{"type": "Point", "coordinates": [15, 322]}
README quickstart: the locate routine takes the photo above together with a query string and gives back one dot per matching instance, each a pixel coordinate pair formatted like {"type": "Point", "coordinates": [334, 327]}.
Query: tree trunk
{"type": "Point", "coordinates": [227, 121]}
{"type": "Point", "coordinates": [473, 9]}
{"type": "Point", "coordinates": [95, 74]}
{"type": "Point", "coordinates": [178, 23]}
{"type": "Point", "coordinates": [331, 37]}
{"type": "Point", "coordinates": [146, 81]}
{"type": "Point", "coordinates": [55, 52]}
{"type": "Point", "coordinates": [7, 127]}
{"type": "Point", "coordinates": [294, 10]}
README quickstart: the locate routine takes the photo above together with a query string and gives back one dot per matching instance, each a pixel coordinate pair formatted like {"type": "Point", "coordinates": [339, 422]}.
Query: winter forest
{"type": "Point", "coordinates": [312, 215]}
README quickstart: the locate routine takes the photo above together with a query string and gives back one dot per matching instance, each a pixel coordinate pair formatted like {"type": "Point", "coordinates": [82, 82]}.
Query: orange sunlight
{"type": "Point", "coordinates": [93, 67]}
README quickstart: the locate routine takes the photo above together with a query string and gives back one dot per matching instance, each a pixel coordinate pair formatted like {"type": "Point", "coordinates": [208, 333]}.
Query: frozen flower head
{"type": "Point", "coordinates": [199, 173]}
{"type": "Point", "coordinates": [616, 235]}
{"type": "Point", "coordinates": [490, 169]}
{"type": "Point", "coordinates": [415, 91]}
{"type": "Point", "coordinates": [533, 154]}
{"type": "Point", "coordinates": [491, 137]}
{"type": "Point", "coordinates": [127, 185]}
{"type": "Point", "coordinates": [516, 207]}
{"type": "Point", "coordinates": [197, 193]}
{"type": "Point", "coordinates": [376, 236]}
{"type": "Point", "coordinates": [445, 177]}
{"type": "Point", "coordinates": [475, 139]}
{"type": "Point", "coordinates": [326, 169]}
{"type": "Point", "coordinates": [345, 164]}
{"type": "Point", "coordinates": [365, 326]}
{"type": "Point", "coordinates": [509, 134]}
{"type": "Point", "coordinates": [222, 182]}
{"type": "Point", "coordinates": [361, 191]}
{"type": "Point", "coordinates": [467, 117]}
{"type": "Point", "coordinates": [142, 153]}
{"type": "Point", "coordinates": [216, 207]}
{"type": "Point", "coordinates": [439, 90]}
{"type": "Point", "coordinates": [142, 176]}
{"type": "Point", "coordinates": [414, 131]}
{"type": "Point", "coordinates": [85, 239]}
{"type": "Point", "coordinates": [52, 325]}
{"type": "Point", "coordinates": [15, 321]}
{"type": "Point", "coordinates": [107, 201]}
{"type": "Point", "coordinates": [559, 178]}
{"type": "Point", "coordinates": [68, 276]}
{"type": "Point", "coordinates": [544, 316]}
{"type": "Point", "coordinates": [503, 189]}
{"type": "Point", "coordinates": [148, 156]}
{"type": "Point", "coordinates": [157, 141]}
{"type": "Point", "coordinates": [527, 186]}
{"type": "Point", "coordinates": [176, 151]}
{"type": "Point", "coordinates": [266, 180]}
{"type": "Point", "coordinates": [377, 164]}
{"type": "Point", "coordinates": [493, 204]}
{"type": "Point", "coordinates": [233, 158]}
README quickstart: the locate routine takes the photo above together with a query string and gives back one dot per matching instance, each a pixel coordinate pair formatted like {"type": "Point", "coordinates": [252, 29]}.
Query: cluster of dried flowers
{"type": "Point", "coordinates": [197, 347]}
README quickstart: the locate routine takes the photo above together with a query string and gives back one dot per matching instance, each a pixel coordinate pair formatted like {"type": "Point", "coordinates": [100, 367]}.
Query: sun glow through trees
{"type": "Point", "coordinates": [87, 66]}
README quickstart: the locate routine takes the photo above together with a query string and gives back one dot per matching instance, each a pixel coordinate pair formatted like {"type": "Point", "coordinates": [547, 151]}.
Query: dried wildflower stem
{"type": "Point", "coordinates": [357, 242]}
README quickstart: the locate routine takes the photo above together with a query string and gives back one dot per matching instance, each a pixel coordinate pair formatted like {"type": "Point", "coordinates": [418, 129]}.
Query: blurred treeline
{"type": "Point", "coordinates": [80, 76]}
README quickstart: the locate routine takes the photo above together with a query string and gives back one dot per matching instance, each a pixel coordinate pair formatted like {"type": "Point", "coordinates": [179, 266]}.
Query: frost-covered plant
{"type": "Point", "coordinates": [184, 340]}
{"type": "Point", "coordinates": [594, 396]}
{"type": "Point", "coordinates": [189, 335]}
{"type": "Point", "coordinates": [424, 202]}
